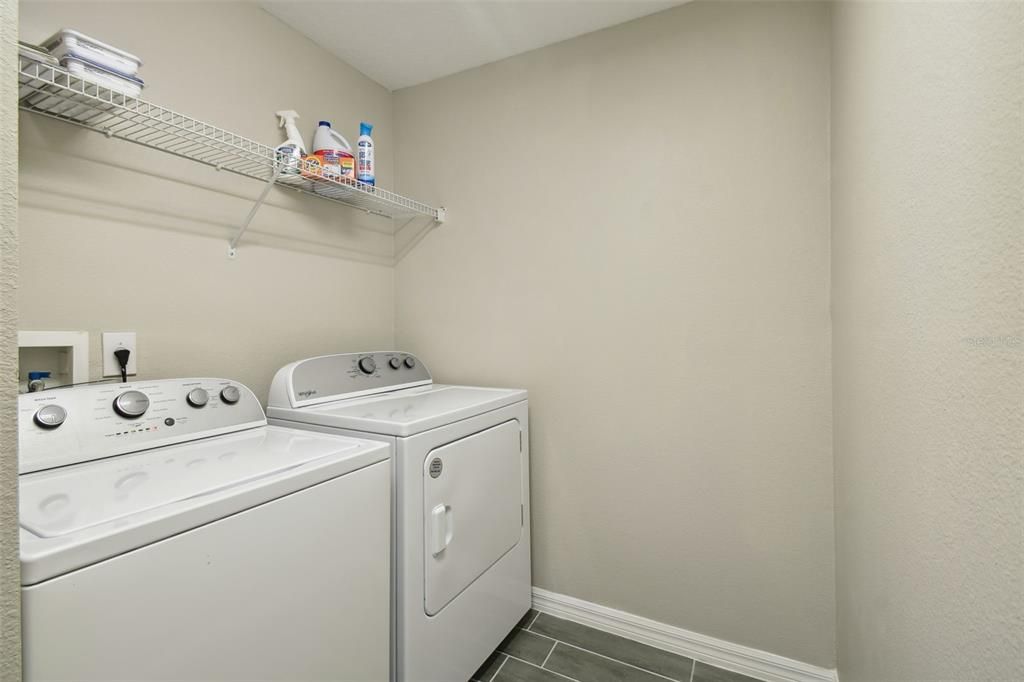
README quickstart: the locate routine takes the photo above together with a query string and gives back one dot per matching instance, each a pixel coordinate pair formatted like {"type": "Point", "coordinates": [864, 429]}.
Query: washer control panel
{"type": "Point", "coordinates": [347, 375]}
{"type": "Point", "coordinates": [82, 423]}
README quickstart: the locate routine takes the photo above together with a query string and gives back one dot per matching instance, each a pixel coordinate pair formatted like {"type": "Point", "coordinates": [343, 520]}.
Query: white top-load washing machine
{"type": "Point", "coordinates": [169, 533]}
{"type": "Point", "coordinates": [461, 498]}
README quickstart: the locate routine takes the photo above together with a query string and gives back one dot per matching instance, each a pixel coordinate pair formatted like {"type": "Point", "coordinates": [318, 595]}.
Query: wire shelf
{"type": "Point", "coordinates": [53, 91]}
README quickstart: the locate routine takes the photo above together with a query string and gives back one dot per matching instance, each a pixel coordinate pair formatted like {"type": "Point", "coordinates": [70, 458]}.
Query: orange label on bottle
{"type": "Point", "coordinates": [336, 163]}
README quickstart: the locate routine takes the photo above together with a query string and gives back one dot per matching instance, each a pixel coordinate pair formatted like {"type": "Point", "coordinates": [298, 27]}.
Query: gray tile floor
{"type": "Point", "coordinates": [543, 648]}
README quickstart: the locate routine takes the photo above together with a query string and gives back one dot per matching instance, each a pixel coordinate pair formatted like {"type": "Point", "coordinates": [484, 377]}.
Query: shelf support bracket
{"type": "Point", "coordinates": [233, 246]}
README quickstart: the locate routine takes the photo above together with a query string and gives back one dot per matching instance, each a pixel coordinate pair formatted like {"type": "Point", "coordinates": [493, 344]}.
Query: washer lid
{"type": "Point", "coordinates": [77, 515]}
{"type": "Point", "coordinates": [67, 500]}
{"type": "Point", "coordinates": [405, 412]}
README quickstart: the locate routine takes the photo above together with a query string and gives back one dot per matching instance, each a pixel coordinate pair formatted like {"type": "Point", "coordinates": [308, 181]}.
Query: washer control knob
{"type": "Point", "coordinates": [198, 397]}
{"type": "Point", "coordinates": [131, 404]}
{"type": "Point", "coordinates": [50, 416]}
{"type": "Point", "coordinates": [367, 365]}
{"type": "Point", "coordinates": [394, 363]}
{"type": "Point", "coordinates": [410, 361]}
{"type": "Point", "coordinates": [230, 395]}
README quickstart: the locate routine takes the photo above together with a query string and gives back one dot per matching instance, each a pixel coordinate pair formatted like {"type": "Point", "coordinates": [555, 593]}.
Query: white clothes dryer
{"type": "Point", "coordinates": [461, 530]}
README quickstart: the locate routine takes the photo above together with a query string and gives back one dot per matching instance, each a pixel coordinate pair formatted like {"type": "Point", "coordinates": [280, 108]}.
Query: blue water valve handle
{"type": "Point", "coordinates": [36, 381]}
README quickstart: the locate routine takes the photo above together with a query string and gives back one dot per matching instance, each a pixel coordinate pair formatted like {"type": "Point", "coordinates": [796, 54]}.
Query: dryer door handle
{"type": "Point", "coordinates": [441, 528]}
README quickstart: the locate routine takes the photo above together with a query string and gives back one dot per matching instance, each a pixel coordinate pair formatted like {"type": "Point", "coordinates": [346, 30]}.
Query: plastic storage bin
{"type": "Point", "coordinates": [67, 43]}
{"type": "Point", "coordinates": [100, 76]}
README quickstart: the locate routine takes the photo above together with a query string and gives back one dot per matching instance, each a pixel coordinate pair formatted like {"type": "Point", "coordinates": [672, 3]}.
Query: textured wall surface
{"type": "Point", "coordinates": [118, 237]}
{"type": "Point", "coordinates": [928, 300]}
{"type": "Point", "coordinates": [10, 591]}
{"type": "Point", "coordinates": [639, 235]}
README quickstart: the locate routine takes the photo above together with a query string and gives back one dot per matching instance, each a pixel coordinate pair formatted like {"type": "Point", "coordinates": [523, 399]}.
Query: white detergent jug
{"type": "Point", "coordinates": [335, 153]}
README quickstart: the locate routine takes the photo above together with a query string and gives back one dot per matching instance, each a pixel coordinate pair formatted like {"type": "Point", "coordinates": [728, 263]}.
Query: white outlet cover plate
{"type": "Point", "coordinates": [111, 342]}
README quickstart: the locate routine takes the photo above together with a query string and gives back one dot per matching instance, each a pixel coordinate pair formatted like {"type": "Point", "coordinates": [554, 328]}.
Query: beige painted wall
{"type": "Point", "coordinates": [639, 235]}
{"type": "Point", "coordinates": [928, 300]}
{"type": "Point", "coordinates": [10, 566]}
{"type": "Point", "coordinates": [118, 237]}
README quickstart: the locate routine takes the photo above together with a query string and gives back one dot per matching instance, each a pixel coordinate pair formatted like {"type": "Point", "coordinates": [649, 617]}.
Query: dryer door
{"type": "Point", "coordinates": [473, 509]}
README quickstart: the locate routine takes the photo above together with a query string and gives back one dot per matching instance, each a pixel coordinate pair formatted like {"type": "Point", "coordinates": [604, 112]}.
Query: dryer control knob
{"type": "Point", "coordinates": [367, 365]}
{"type": "Point", "coordinates": [131, 404]}
{"type": "Point", "coordinates": [394, 363]}
{"type": "Point", "coordinates": [50, 416]}
{"type": "Point", "coordinates": [410, 361]}
{"type": "Point", "coordinates": [230, 395]}
{"type": "Point", "coordinates": [197, 397]}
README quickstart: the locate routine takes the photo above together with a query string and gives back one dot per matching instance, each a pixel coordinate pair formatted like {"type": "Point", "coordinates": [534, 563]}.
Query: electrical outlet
{"type": "Point", "coordinates": [111, 342]}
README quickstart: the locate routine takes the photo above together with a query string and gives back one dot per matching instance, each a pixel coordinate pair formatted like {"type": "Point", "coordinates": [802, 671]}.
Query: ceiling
{"type": "Point", "coordinates": [399, 43]}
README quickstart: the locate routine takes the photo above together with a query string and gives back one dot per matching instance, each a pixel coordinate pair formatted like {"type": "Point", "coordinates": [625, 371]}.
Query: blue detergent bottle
{"type": "Point", "coordinates": [364, 158]}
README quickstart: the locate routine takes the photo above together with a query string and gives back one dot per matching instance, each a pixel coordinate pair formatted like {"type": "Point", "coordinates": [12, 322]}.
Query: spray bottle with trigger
{"type": "Point", "coordinates": [290, 153]}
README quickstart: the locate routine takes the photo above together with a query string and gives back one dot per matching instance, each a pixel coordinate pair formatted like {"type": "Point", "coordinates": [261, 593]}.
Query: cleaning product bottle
{"type": "Point", "coordinates": [334, 152]}
{"type": "Point", "coordinates": [291, 152]}
{"type": "Point", "coordinates": [364, 162]}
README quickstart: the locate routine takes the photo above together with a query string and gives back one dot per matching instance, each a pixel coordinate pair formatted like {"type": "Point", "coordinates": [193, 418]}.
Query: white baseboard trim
{"type": "Point", "coordinates": [718, 652]}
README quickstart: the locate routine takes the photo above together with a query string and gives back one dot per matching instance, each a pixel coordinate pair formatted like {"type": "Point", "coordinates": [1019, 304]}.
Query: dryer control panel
{"type": "Point", "coordinates": [82, 423]}
{"type": "Point", "coordinates": [346, 375]}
